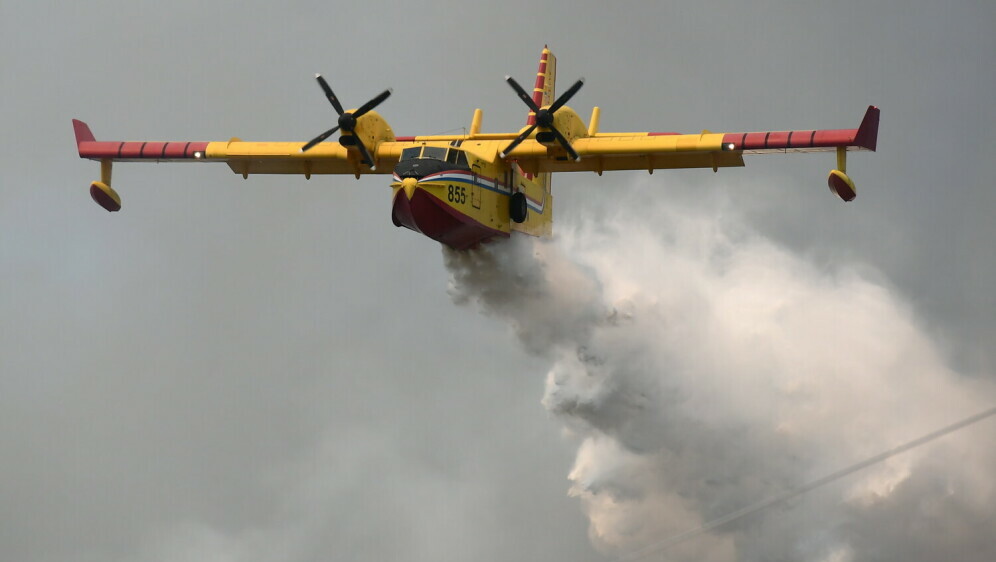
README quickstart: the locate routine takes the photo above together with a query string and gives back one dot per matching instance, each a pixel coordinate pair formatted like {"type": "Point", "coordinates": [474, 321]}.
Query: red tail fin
{"type": "Point", "coordinates": [546, 78]}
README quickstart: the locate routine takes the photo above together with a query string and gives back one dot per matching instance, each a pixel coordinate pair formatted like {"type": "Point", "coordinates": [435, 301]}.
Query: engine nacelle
{"type": "Point", "coordinates": [105, 196]}
{"type": "Point", "coordinates": [841, 185]}
{"type": "Point", "coordinates": [566, 121]}
{"type": "Point", "coordinates": [372, 129]}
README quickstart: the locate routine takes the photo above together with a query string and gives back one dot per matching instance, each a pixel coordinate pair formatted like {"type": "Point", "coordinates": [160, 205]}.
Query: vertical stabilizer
{"type": "Point", "coordinates": [546, 78]}
{"type": "Point", "coordinates": [539, 221]}
{"type": "Point", "coordinates": [544, 94]}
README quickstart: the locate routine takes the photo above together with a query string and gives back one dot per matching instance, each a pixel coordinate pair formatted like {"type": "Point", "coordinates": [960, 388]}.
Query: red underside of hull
{"type": "Point", "coordinates": [425, 214]}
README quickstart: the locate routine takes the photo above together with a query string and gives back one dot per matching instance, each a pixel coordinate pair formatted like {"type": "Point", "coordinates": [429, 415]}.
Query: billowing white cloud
{"type": "Point", "coordinates": [705, 368]}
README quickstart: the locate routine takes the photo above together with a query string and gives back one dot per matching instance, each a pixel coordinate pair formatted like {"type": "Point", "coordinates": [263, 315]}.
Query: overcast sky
{"type": "Point", "coordinates": [267, 369]}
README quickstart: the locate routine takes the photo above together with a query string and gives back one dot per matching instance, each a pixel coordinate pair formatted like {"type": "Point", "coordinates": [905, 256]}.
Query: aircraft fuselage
{"type": "Point", "coordinates": [450, 194]}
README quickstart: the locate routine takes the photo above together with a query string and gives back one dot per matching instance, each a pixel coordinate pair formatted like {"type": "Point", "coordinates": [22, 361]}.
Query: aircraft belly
{"type": "Point", "coordinates": [427, 213]}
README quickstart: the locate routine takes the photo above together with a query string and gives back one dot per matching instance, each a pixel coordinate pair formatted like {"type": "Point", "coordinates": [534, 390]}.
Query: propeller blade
{"type": "Point", "coordinates": [319, 138]}
{"type": "Point", "coordinates": [518, 140]}
{"type": "Point", "coordinates": [372, 104]}
{"type": "Point", "coordinates": [347, 121]}
{"type": "Point", "coordinates": [567, 146]}
{"type": "Point", "coordinates": [566, 96]}
{"type": "Point", "coordinates": [365, 154]}
{"type": "Point", "coordinates": [329, 94]}
{"type": "Point", "coordinates": [522, 94]}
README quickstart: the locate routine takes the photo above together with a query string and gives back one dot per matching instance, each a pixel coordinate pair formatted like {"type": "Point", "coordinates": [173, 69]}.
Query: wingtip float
{"type": "Point", "coordinates": [865, 137]}
{"type": "Point", "coordinates": [462, 190]}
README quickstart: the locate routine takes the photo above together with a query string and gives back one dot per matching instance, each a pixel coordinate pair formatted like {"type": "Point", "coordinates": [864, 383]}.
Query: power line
{"type": "Point", "coordinates": [791, 493]}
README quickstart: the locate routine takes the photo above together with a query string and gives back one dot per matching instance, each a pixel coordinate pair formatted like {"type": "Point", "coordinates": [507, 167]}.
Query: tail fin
{"type": "Point", "coordinates": [546, 78]}
{"type": "Point", "coordinates": [544, 93]}
{"type": "Point", "coordinates": [540, 216]}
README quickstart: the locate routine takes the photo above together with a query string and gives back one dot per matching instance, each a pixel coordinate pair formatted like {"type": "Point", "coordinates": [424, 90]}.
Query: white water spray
{"type": "Point", "coordinates": [704, 368]}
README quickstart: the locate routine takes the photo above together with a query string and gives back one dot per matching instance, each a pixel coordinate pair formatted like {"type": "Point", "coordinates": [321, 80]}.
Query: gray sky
{"type": "Point", "coordinates": [269, 370]}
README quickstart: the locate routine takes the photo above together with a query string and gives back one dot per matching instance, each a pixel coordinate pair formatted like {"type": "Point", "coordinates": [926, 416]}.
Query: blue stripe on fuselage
{"type": "Point", "coordinates": [490, 184]}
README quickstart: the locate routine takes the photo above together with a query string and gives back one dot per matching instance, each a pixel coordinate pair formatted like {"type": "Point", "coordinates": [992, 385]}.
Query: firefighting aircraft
{"type": "Point", "coordinates": [462, 190]}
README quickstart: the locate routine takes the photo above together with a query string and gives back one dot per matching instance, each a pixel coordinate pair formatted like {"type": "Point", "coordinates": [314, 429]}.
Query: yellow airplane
{"type": "Point", "coordinates": [462, 190]}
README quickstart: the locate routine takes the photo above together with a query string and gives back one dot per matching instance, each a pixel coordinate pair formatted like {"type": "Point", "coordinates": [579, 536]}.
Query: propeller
{"type": "Point", "coordinates": [347, 120]}
{"type": "Point", "coordinates": [544, 117]}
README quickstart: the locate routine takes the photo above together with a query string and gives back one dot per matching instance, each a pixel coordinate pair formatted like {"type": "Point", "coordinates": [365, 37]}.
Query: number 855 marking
{"type": "Point", "coordinates": [456, 194]}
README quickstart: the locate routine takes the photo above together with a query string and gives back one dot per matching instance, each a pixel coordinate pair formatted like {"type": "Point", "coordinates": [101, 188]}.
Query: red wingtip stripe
{"type": "Point", "coordinates": [138, 150]}
{"type": "Point", "coordinates": [865, 136]}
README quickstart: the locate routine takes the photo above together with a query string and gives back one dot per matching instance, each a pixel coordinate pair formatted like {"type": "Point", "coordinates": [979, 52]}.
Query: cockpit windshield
{"type": "Point", "coordinates": [434, 152]}
{"type": "Point", "coordinates": [452, 155]}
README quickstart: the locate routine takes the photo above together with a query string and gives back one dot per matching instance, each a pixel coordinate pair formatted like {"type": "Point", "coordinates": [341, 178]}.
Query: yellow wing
{"type": "Point", "coordinates": [248, 158]}
{"type": "Point", "coordinates": [630, 151]}
{"type": "Point", "coordinates": [598, 152]}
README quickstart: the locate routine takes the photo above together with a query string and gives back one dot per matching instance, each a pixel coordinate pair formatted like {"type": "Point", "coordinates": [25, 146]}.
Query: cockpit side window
{"type": "Point", "coordinates": [410, 153]}
{"type": "Point", "coordinates": [435, 152]}
{"type": "Point", "coordinates": [456, 156]}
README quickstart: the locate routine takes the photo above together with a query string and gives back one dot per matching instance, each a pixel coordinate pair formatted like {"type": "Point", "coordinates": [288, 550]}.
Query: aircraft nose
{"type": "Point", "coordinates": [409, 184]}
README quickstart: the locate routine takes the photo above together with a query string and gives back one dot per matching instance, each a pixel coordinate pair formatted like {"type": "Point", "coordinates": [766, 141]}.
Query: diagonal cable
{"type": "Point", "coordinates": [791, 493]}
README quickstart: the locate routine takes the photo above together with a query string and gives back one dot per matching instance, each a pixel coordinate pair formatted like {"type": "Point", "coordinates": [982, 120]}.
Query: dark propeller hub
{"type": "Point", "coordinates": [347, 122]}
{"type": "Point", "coordinates": [544, 118]}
